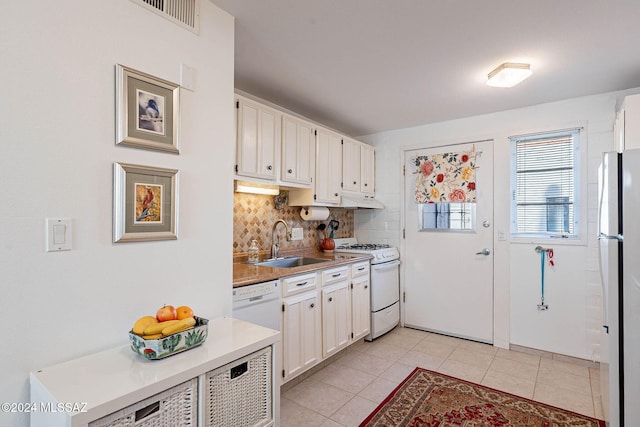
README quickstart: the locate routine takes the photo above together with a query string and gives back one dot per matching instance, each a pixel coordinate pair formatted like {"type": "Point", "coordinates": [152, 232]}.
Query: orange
{"type": "Point", "coordinates": [184, 311]}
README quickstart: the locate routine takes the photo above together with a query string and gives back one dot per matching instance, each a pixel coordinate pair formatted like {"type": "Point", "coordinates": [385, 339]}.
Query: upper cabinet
{"type": "Point", "coordinates": [358, 168]}
{"type": "Point", "coordinates": [328, 166]}
{"type": "Point", "coordinates": [351, 165]}
{"type": "Point", "coordinates": [367, 170]}
{"type": "Point", "coordinates": [257, 139]}
{"type": "Point", "coordinates": [315, 164]}
{"type": "Point", "coordinates": [298, 151]}
{"type": "Point", "coordinates": [627, 127]}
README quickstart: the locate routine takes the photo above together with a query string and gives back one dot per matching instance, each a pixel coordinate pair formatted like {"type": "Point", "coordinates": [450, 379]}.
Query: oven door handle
{"type": "Point", "coordinates": [385, 265]}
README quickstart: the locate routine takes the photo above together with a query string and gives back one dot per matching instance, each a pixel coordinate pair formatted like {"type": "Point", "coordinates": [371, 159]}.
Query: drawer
{"type": "Point", "coordinates": [335, 275]}
{"type": "Point", "coordinates": [360, 269]}
{"type": "Point", "coordinates": [176, 406]}
{"type": "Point", "coordinates": [296, 284]}
{"type": "Point", "coordinates": [240, 393]}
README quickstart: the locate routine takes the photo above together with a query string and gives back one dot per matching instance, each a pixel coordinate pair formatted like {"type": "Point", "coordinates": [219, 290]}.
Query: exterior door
{"type": "Point", "coordinates": [448, 247]}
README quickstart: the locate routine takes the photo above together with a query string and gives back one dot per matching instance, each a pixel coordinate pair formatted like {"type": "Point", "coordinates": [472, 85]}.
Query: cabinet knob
{"type": "Point", "coordinates": [330, 299]}
{"type": "Point", "coordinates": [336, 194]}
{"type": "Point", "coordinates": [354, 183]}
{"type": "Point", "coordinates": [269, 167]}
{"type": "Point", "coordinates": [365, 184]}
{"type": "Point", "coordinates": [290, 171]}
{"type": "Point", "coordinates": [366, 286]}
{"type": "Point", "coordinates": [312, 305]}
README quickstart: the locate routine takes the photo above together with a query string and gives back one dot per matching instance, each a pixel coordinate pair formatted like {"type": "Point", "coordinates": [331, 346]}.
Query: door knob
{"type": "Point", "coordinates": [484, 251]}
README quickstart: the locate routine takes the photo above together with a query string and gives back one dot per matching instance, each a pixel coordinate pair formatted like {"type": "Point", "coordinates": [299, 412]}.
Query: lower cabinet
{"type": "Point", "coordinates": [322, 313]}
{"type": "Point", "coordinates": [360, 307]}
{"type": "Point", "coordinates": [336, 318]}
{"type": "Point", "coordinates": [301, 333]}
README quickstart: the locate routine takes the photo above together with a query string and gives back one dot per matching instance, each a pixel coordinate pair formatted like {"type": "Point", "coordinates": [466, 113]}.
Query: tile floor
{"type": "Point", "coordinates": [351, 386]}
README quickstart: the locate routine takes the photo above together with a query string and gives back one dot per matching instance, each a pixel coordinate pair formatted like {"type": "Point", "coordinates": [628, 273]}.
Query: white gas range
{"type": "Point", "coordinates": [385, 283]}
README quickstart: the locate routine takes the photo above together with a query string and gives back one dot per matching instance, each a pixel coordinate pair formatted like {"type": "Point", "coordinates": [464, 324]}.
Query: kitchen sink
{"type": "Point", "coordinates": [297, 261]}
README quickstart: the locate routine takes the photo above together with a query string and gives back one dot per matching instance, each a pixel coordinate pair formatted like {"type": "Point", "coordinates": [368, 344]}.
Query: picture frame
{"type": "Point", "coordinates": [145, 203]}
{"type": "Point", "coordinates": [148, 111]}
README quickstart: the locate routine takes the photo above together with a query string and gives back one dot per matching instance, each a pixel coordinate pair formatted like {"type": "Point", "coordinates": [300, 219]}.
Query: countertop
{"type": "Point", "coordinates": [247, 274]}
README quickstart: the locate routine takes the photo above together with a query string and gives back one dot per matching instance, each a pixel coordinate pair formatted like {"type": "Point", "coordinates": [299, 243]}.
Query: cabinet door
{"type": "Point", "coordinates": [298, 151]}
{"type": "Point", "coordinates": [301, 336]}
{"type": "Point", "coordinates": [256, 140]}
{"type": "Point", "coordinates": [351, 165]}
{"type": "Point", "coordinates": [360, 306]}
{"type": "Point", "coordinates": [367, 169]}
{"type": "Point", "coordinates": [336, 317]}
{"type": "Point", "coordinates": [328, 166]}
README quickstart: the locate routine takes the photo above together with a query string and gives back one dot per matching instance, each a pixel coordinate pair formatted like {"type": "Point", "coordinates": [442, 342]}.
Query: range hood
{"type": "Point", "coordinates": [351, 202]}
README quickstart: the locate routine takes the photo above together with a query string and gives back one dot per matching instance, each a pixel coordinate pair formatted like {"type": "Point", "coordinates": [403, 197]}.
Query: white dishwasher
{"type": "Point", "coordinates": [259, 304]}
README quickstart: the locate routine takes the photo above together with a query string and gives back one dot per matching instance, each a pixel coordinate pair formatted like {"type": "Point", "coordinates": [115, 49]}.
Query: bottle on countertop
{"type": "Point", "coordinates": [254, 252]}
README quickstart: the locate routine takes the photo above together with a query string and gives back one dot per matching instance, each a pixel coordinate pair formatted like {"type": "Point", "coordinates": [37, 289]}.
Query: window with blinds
{"type": "Point", "coordinates": [544, 184]}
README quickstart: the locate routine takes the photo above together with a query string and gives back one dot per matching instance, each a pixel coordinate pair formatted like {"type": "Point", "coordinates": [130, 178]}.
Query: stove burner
{"type": "Point", "coordinates": [364, 246]}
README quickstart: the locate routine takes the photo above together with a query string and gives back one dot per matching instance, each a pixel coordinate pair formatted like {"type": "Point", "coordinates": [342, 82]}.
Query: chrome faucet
{"type": "Point", "coordinates": [275, 246]}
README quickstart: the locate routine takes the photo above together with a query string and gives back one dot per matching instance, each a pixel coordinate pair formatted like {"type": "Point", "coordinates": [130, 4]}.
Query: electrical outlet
{"type": "Point", "coordinates": [296, 234]}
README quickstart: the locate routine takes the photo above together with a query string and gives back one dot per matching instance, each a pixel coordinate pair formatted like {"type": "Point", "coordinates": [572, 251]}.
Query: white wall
{"type": "Point", "coordinates": [572, 289]}
{"type": "Point", "coordinates": [57, 127]}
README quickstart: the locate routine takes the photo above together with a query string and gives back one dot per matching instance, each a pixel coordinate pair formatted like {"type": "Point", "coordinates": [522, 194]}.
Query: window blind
{"type": "Point", "coordinates": [544, 192]}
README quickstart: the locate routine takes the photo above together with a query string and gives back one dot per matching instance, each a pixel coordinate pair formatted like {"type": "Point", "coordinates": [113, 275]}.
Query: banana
{"type": "Point", "coordinates": [142, 323]}
{"type": "Point", "coordinates": [152, 337]}
{"type": "Point", "coordinates": [158, 327]}
{"type": "Point", "coordinates": [180, 326]}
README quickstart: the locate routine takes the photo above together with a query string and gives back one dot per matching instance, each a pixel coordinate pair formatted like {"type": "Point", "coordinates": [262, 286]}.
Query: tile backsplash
{"type": "Point", "coordinates": [254, 216]}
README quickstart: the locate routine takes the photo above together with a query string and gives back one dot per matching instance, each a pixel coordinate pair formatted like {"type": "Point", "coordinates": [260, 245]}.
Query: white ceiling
{"type": "Point", "coordinates": [365, 66]}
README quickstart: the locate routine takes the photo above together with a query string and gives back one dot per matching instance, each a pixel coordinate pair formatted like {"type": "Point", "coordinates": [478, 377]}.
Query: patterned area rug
{"type": "Point", "coordinates": [429, 399]}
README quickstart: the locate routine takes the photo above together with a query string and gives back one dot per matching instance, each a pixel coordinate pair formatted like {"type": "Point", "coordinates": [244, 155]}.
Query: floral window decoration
{"type": "Point", "coordinates": [446, 178]}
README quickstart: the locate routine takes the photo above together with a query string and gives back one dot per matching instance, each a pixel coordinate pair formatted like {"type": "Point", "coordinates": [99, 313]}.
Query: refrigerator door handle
{"type": "Point", "coordinates": [603, 236]}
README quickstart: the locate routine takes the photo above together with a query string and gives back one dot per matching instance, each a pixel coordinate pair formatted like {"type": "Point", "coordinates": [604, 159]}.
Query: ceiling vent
{"type": "Point", "coordinates": [185, 13]}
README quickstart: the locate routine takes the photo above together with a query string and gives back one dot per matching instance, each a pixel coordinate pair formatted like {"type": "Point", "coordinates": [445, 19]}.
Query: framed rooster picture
{"type": "Point", "coordinates": [148, 111]}
{"type": "Point", "coordinates": [145, 203]}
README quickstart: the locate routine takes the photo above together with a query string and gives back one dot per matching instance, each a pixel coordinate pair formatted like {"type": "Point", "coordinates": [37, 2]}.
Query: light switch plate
{"type": "Point", "coordinates": [187, 77]}
{"type": "Point", "coordinates": [296, 234]}
{"type": "Point", "coordinates": [58, 234]}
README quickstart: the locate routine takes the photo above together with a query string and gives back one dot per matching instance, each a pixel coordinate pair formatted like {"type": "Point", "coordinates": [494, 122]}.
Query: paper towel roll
{"type": "Point", "coordinates": [317, 213]}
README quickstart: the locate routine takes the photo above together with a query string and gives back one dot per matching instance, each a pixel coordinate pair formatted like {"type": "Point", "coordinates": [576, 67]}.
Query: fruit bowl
{"type": "Point", "coordinates": [171, 344]}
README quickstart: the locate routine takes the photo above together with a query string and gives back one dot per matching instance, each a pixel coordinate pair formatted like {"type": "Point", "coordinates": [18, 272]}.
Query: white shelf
{"type": "Point", "coordinates": [113, 379]}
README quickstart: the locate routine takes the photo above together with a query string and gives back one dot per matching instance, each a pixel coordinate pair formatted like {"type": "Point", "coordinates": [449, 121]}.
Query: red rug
{"type": "Point", "coordinates": [430, 399]}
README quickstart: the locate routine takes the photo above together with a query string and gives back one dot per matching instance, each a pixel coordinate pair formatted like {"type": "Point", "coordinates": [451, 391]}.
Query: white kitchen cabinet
{"type": "Point", "coordinates": [302, 336]}
{"type": "Point", "coordinates": [93, 389]}
{"type": "Point", "coordinates": [336, 317]}
{"type": "Point", "coordinates": [257, 139]}
{"type": "Point", "coordinates": [367, 170]}
{"type": "Point", "coordinates": [328, 166]}
{"type": "Point", "coordinates": [351, 165]}
{"type": "Point", "coordinates": [627, 127]}
{"type": "Point", "coordinates": [360, 300]}
{"type": "Point", "coordinates": [358, 165]}
{"type": "Point", "coordinates": [298, 151]}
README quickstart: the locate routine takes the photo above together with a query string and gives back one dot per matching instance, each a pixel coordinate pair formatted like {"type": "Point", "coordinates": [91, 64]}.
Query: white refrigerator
{"type": "Point", "coordinates": [619, 243]}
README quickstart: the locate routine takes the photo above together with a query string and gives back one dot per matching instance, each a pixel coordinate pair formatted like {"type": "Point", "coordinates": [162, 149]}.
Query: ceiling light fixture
{"type": "Point", "coordinates": [256, 188]}
{"type": "Point", "coordinates": [509, 74]}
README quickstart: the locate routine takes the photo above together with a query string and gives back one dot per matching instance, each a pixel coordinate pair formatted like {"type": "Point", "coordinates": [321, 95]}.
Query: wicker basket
{"type": "Point", "coordinates": [240, 394]}
{"type": "Point", "coordinates": [176, 407]}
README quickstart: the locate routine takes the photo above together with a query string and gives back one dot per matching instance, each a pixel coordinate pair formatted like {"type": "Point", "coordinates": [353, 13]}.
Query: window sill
{"type": "Point", "coordinates": [549, 241]}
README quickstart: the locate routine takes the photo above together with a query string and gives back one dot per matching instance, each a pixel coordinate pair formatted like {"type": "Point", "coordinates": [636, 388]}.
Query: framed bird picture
{"type": "Point", "coordinates": [145, 203]}
{"type": "Point", "coordinates": [148, 111]}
